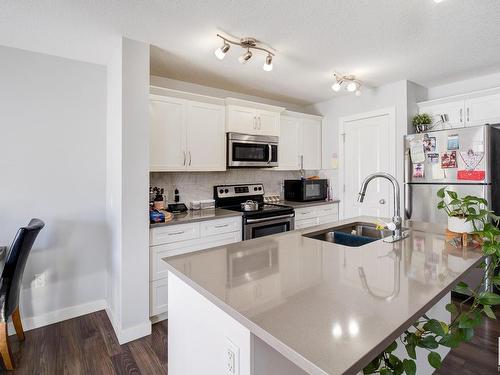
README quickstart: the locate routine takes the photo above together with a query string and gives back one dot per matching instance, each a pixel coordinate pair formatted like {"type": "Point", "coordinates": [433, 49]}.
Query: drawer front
{"type": "Point", "coordinates": [212, 227]}
{"type": "Point", "coordinates": [174, 233]}
{"type": "Point", "coordinates": [328, 210]}
{"type": "Point", "coordinates": [300, 224]}
{"type": "Point", "coordinates": [328, 219]}
{"type": "Point", "coordinates": [306, 213]}
{"type": "Point", "coordinates": [158, 269]}
{"type": "Point", "coordinates": [158, 297]}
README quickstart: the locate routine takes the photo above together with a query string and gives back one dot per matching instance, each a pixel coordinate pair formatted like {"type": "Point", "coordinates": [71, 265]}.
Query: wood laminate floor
{"type": "Point", "coordinates": [88, 345]}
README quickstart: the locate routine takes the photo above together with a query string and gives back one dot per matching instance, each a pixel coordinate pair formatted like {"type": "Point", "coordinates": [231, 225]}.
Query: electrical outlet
{"type": "Point", "coordinates": [39, 280]}
{"type": "Point", "coordinates": [232, 358]}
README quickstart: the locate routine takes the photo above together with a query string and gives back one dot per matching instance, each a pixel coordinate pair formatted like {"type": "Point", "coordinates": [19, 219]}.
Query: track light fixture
{"type": "Point", "coordinates": [249, 44]}
{"type": "Point", "coordinates": [346, 82]}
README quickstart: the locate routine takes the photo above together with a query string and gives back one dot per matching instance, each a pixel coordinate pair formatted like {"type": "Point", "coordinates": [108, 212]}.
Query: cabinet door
{"type": "Point", "coordinates": [167, 137]}
{"type": "Point", "coordinates": [482, 110]}
{"type": "Point", "coordinates": [311, 144]}
{"type": "Point", "coordinates": [268, 123]}
{"type": "Point", "coordinates": [205, 137]}
{"type": "Point", "coordinates": [288, 158]}
{"type": "Point", "coordinates": [241, 120]}
{"type": "Point", "coordinates": [454, 110]}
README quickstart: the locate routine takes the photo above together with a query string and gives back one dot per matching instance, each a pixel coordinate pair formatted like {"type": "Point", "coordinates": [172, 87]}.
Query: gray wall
{"type": "Point", "coordinates": [52, 139]}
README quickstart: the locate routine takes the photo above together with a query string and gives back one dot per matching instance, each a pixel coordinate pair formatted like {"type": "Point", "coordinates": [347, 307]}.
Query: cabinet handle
{"type": "Point", "coordinates": [301, 161]}
{"type": "Point", "coordinates": [260, 123]}
{"type": "Point", "coordinates": [184, 153]}
{"type": "Point", "coordinates": [189, 158]}
{"type": "Point", "coordinates": [175, 233]}
{"type": "Point", "coordinates": [255, 122]}
{"type": "Point", "coordinates": [221, 226]}
{"type": "Point", "coordinates": [461, 114]}
{"type": "Point", "coordinates": [468, 118]}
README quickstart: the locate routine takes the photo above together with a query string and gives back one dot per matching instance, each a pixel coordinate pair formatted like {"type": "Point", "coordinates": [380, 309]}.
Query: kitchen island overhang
{"type": "Point", "coordinates": [313, 306]}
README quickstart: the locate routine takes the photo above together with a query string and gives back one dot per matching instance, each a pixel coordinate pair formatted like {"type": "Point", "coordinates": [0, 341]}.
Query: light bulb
{"type": "Point", "coordinates": [268, 64]}
{"type": "Point", "coordinates": [245, 57]}
{"type": "Point", "coordinates": [336, 87]}
{"type": "Point", "coordinates": [352, 86]}
{"type": "Point", "coordinates": [438, 1]}
{"type": "Point", "coordinates": [220, 52]}
{"type": "Point", "coordinates": [358, 92]}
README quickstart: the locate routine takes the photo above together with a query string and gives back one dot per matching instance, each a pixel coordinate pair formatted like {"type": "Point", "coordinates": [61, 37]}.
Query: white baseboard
{"type": "Point", "coordinates": [60, 315]}
{"type": "Point", "coordinates": [158, 318]}
{"type": "Point", "coordinates": [128, 334]}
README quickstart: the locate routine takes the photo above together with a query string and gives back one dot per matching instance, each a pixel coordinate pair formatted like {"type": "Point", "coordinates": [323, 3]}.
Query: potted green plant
{"type": "Point", "coordinates": [464, 213]}
{"type": "Point", "coordinates": [422, 122]}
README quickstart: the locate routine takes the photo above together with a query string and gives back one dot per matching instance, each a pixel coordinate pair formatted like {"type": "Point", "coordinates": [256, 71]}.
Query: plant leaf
{"type": "Point", "coordinates": [452, 308]}
{"type": "Point", "coordinates": [489, 312]}
{"type": "Point", "coordinates": [462, 287]}
{"type": "Point", "coordinates": [489, 298]}
{"type": "Point", "coordinates": [434, 360]}
{"type": "Point", "coordinates": [440, 192]}
{"type": "Point", "coordinates": [410, 349]}
{"type": "Point", "coordinates": [435, 327]}
{"type": "Point", "coordinates": [391, 347]}
{"type": "Point", "coordinates": [409, 366]}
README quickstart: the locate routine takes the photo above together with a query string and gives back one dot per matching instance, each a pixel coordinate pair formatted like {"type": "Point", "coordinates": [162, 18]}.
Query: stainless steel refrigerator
{"type": "Point", "coordinates": [465, 160]}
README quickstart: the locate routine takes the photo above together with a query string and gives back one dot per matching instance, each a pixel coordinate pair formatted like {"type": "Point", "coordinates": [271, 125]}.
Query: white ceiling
{"type": "Point", "coordinates": [379, 40]}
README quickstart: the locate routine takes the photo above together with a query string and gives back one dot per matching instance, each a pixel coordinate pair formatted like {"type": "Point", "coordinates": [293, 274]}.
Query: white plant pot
{"type": "Point", "coordinates": [459, 225]}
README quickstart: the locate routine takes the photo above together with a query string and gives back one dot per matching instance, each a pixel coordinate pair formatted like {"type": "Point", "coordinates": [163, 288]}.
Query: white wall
{"type": "Point", "coordinates": [390, 95]}
{"type": "Point", "coordinates": [127, 189]}
{"type": "Point", "coordinates": [464, 86]}
{"type": "Point", "coordinates": [52, 140]}
{"type": "Point", "coordinates": [218, 93]}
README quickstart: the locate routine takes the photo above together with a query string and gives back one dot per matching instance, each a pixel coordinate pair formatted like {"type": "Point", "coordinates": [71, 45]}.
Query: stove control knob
{"type": "Point", "coordinates": [221, 191]}
{"type": "Point", "coordinates": [226, 191]}
{"type": "Point", "coordinates": [254, 189]}
{"type": "Point", "coordinates": [260, 188]}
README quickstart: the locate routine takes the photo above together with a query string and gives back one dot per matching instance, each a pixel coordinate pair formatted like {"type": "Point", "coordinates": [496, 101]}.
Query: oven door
{"type": "Point", "coordinates": [251, 151]}
{"type": "Point", "coordinates": [255, 228]}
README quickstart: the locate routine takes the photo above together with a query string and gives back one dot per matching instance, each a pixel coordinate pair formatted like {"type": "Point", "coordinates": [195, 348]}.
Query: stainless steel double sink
{"type": "Point", "coordinates": [353, 234]}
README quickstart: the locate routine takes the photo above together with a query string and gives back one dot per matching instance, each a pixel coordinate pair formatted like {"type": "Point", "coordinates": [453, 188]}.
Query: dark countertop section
{"type": "Point", "coordinates": [192, 216]}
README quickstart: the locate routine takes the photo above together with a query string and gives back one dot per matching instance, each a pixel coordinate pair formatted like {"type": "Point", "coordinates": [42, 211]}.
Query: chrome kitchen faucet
{"type": "Point", "coordinates": [397, 234]}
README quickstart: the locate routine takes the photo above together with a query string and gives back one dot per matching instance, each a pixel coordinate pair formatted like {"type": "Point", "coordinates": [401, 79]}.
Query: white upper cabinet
{"type": "Point", "coordinates": [252, 118]}
{"type": "Point", "coordinates": [288, 150]}
{"type": "Point", "coordinates": [311, 143]}
{"type": "Point", "coordinates": [300, 142]}
{"type": "Point", "coordinates": [168, 136]}
{"type": "Point", "coordinates": [478, 108]}
{"type": "Point", "coordinates": [483, 110]}
{"type": "Point", "coordinates": [186, 135]}
{"type": "Point", "coordinates": [205, 137]}
{"type": "Point", "coordinates": [454, 110]}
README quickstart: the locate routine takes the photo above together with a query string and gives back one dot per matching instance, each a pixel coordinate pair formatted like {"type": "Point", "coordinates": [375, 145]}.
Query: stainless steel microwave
{"type": "Point", "coordinates": [306, 190]}
{"type": "Point", "coordinates": [245, 150]}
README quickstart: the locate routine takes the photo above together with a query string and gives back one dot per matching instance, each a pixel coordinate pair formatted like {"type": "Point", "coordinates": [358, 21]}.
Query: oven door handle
{"type": "Point", "coordinates": [251, 221]}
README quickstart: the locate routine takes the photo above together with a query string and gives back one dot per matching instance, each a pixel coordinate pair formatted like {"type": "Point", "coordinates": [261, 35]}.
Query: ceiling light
{"type": "Point", "coordinates": [249, 44]}
{"type": "Point", "coordinates": [245, 57]}
{"type": "Point", "coordinates": [268, 65]}
{"type": "Point", "coordinates": [346, 82]}
{"type": "Point", "coordinates": [220, 52]}
{"type": "Point", "coordinates": [438, 1]}
{"type": "Point", "coordinates": [336, 87]}
{"type": "Point", "coordinates": [351, 86]}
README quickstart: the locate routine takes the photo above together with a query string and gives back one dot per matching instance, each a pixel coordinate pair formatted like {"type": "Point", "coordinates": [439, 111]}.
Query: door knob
{"type": "Point", "coordinates": [382, 201]}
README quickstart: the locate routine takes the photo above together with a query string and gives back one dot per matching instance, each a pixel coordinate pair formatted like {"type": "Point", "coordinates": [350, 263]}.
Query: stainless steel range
{"type": "Point", "coordinates": [259, 218]}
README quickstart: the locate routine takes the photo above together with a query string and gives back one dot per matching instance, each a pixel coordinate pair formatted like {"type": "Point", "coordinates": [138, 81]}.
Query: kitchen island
{"type": "Point", "coordinates": [289, 304]}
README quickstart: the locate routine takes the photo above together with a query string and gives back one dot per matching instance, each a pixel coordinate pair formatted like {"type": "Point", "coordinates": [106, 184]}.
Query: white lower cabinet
{"type": "Point", "coordinates": [180, 239]}
{"type": "Point", "coordinates": [315, 215]}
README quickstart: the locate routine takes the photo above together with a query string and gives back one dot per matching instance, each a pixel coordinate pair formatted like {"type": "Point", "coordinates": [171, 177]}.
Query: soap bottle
{"type": "Point", "coordinates": [176, 195]}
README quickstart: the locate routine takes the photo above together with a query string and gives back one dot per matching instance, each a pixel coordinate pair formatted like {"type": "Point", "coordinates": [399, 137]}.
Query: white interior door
{"type": "Point", "coordinates": [366, 150]}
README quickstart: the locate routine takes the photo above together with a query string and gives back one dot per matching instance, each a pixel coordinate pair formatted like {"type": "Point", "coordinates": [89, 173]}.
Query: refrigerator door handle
{"type": "Point", "coordinates": [408, 202]}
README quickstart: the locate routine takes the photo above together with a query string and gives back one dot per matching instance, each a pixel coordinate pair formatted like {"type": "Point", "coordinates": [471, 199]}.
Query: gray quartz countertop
{"type": "Point", "coordinates": [192, 216]}
{"type": "Point", "coordinates": [307, 204]}
{"type": "Point", "coordinates": [328, 308]}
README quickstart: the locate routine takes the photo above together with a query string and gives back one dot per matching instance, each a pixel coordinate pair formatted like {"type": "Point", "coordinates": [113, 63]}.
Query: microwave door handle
{"type": "Point", "coordinates": [270, 148]}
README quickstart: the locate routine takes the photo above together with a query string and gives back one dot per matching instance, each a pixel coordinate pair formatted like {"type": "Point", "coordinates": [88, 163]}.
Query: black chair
{"type": "Point", "coordinates": [10, 285]}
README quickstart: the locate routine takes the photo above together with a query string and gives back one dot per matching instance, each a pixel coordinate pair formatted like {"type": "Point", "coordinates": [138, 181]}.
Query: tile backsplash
{"type": "Point", "coordinates": [199, 185]}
